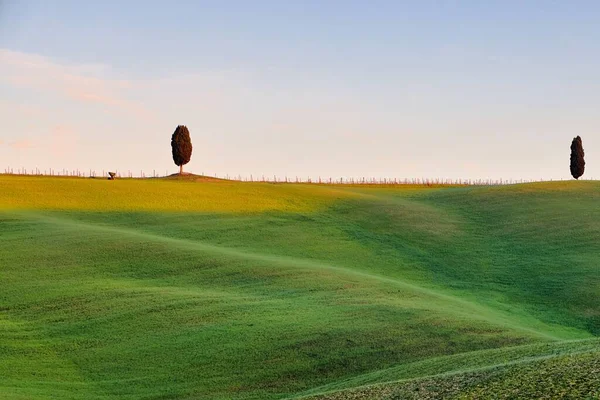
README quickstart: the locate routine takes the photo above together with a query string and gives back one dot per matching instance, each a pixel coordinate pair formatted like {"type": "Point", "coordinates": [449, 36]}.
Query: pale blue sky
{"type": "Point", "coordinates": [449, 89]}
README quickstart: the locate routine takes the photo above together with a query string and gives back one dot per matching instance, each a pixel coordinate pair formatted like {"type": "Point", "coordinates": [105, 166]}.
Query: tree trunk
{"type": "Point", "coordinates": [181, 169]}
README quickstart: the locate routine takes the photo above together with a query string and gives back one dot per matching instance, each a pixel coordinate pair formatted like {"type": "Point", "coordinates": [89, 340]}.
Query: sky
{"type": "Point", "coordinates": [397, 89]}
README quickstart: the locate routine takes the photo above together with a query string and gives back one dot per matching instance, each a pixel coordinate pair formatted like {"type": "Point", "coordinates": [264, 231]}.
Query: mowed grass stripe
{"type": "Point", "coordinates": [572, 375]}
{"type": "Point", "coordinates": [444, 302]}
{"type": "Point", "coordinates": [456, 364]}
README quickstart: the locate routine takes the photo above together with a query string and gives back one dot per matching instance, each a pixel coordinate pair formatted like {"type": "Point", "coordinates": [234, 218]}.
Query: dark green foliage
{"type": "Point", "coordinates": [577, 161]}
{"type": "Point", "coordinates": [181, 145]}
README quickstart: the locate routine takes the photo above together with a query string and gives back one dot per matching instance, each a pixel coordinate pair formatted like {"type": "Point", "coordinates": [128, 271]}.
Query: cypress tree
{"type": "Point", "coordinates": [181, 145]}
{"type": "Point", "coordinates": [577, 161]}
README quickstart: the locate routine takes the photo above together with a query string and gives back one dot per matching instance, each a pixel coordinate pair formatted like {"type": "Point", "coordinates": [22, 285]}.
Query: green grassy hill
{"type": "Point", "coordinates": [166, 289]}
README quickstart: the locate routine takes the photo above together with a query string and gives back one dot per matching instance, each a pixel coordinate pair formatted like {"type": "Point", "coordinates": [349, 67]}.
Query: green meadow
{"type": "Point", "coordinates": [185, 289]}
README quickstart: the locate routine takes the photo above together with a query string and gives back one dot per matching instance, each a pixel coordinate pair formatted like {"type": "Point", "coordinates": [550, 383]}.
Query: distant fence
{"type": "Point", "coordinates": [278, 179]}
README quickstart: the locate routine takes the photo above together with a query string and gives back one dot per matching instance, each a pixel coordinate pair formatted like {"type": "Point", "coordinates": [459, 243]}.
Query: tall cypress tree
{"type": "Point", "coordinates": [577, 161]}
{"type": "Point", "coordinates": [181, 145]}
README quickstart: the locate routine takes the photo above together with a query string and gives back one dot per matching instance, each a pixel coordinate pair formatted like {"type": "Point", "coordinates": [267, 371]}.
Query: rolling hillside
{"type": "Point", "coordinates": [166, 289]}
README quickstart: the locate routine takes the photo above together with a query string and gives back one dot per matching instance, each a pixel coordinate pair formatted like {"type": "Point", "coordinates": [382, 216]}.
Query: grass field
{"type": "Point", "coordinates": [167, 289]}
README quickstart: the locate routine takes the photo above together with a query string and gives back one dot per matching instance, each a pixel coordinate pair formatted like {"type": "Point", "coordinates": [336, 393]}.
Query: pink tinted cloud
{"type": "Point", "coordinates": [23, 144]}
{"type": "Point", "coordinates": [61, 141]}
{"type": "Point", "coordinates": [74, 82]}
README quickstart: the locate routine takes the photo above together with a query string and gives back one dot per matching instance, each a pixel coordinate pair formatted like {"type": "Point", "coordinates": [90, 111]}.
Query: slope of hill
{"type": "Point", "coordinates": [165, 289]}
